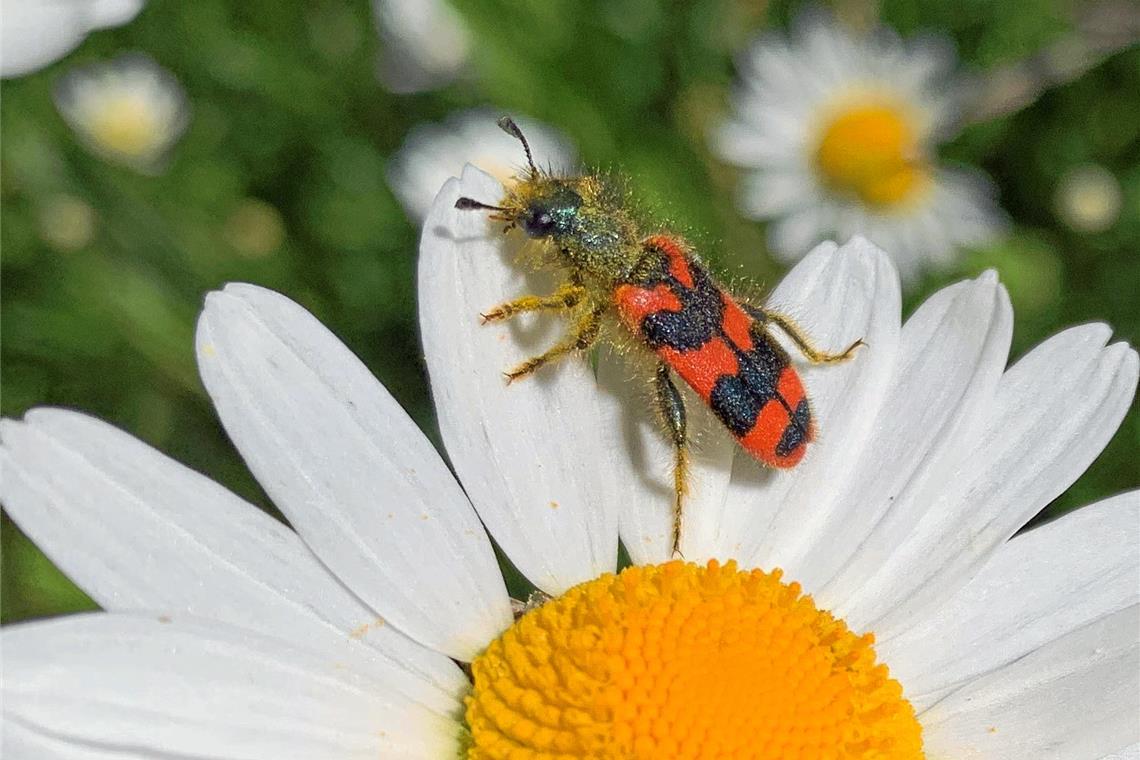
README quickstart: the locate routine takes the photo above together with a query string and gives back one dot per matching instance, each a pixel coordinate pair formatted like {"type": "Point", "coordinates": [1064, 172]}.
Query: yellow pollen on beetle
{"type": "Point", "coordinates": [125, 125]}
{"type": "Point", "coordinates": [874, 153]}
{"type": "Point", "coordinates": [684, 661]}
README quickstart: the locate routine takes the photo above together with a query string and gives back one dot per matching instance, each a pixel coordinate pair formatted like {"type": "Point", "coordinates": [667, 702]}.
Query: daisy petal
{"type": "Point", "coordinates": [1052, 580]}
{"type": "Point", "coordinates": [951, 354]}
{"type": "Point", "coordinates": [540, 458]}
{"type": "Point", "coordinates": [138, 531]}
{"type": "Point", "coordinates": [350, 470]}
{"type": "Point", "coordinates": [777, 193]}
{"type": "Point", "coordinates": [838, 296]}
{"type": "Point", "coordinates": [1024, 455]}
{"type": "Point", "coordinates": [1077, 696]}
{"type": "Point", "coordinates": [189, 688]}
{"type": "Point", "coordinates": [647, 511]}
{"type": "Point", "coordinates": [794, 235]}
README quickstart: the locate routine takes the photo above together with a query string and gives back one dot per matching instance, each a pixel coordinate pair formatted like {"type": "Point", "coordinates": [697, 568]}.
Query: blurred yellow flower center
{"type": "Point", "coordinates": [683, 661]}
{"type": "Point", "coordinates": [873, 153]}
{"type": "Point", "coordinates": [124, 124]}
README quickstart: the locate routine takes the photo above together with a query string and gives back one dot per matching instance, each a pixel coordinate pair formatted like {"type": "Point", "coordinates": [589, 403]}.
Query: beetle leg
{"type": "Point", "coordinates": [581, 338]}
{"type": "Point", "coordinates": [567, 296]}
{"type": "Point", "coordinates": [800, 338]}
{"type": "Point", "coordinates": [671, 407]}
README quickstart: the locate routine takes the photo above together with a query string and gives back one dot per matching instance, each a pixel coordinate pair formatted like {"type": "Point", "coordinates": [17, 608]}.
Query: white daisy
{"type": "Point", "coordinates": [424, 44]}
{"type": "Point", "coordinates": [228, 634]}
{"type": "Point", "coordinates": [38, 32]}
{"type": "Point", "coordinates": [130, 111]}
{"type": "Point", "coordinates": [838, 135]}
{"type": "Point", "coordinates": [1088, 198]}
{"type": "Point", "coordinates": [433, 153]}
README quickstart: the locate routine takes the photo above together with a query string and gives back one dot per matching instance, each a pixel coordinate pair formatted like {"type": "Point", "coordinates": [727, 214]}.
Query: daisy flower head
{"type": "Point", "coordinates": [424, 44]}
{"type": "Point", "coordinates": [433, 153]}
{"type": "Point", "coordinates": [35, 34]}
{"type": "Point", "coordinates": [928, 632]}
{"type": "Point", "coordinates": [1088, 198]}
{"type": "Point", "coordinates": [838, 133]}
{"type": "Point", "coordinates": [130, 111]}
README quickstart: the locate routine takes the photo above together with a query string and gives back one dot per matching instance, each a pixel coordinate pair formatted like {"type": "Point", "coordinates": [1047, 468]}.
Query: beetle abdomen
{"type": "Point", "coordinates": [710, 342]}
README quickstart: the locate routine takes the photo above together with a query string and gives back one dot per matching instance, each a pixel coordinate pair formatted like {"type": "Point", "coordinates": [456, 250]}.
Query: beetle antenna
{"type": "Point", "coordinates": [470, 203]}
{"type": "Point", "coordinates": [507, 124]}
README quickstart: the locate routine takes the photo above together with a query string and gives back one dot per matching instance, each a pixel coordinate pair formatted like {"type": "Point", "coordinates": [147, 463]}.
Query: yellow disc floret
{"type": "Point", "coordinates": [872, 152]}
{"type": "Point", "coordinates": [683, 661]}
{"type": "Point", "coordinates": [125, 125]}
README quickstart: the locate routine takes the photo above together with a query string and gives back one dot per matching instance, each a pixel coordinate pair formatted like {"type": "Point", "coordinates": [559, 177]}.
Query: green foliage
{"type": "Point", "coordinates": [287, 111]}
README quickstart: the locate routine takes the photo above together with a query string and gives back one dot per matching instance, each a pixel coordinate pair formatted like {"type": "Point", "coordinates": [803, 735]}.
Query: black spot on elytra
{"type": "Point", "coordinates": [734, 404]}
{"type": "Point", "coordinates": [699, 318]}
{"type": "Point", "coordinates": [796, 433]}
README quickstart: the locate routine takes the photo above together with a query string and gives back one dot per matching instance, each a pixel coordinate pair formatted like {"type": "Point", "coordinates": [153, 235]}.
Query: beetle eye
{"type": "Point", "coordinates": [538, 222]}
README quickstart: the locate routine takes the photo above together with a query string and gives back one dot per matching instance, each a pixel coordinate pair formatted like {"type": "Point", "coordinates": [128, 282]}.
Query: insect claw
{"type": "Point", "coordinates": [494, 315]}
{"type": "Point", "coordinates": [851, 349]}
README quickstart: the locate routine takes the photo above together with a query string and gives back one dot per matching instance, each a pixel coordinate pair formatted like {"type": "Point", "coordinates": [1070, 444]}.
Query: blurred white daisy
{"type": "Point", "coordinates": [838, 134]}
{"type": "Point", "coordinates": [130, 111]}
{"type": "Point", "coordinates": [424, 44]}
{"type": "Point", "coordinates": [433, 153]}
{"type": "Point", "coordinates": [35, 33]}
{"type": "Point", "coordinates": [229, 634]}
{"type": "Point", "coordinates": [1088, 198]}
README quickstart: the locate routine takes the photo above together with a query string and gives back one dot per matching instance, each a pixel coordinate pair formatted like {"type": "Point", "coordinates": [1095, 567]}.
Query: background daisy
{"type": "Point", "coordinates": [130, 111]}
{"type": "Point", "coordinates": [838, 134]}
{"type": "Point", "coordinates": [424, 44]}
{"type": "Point", "coordinates": [433, 153]}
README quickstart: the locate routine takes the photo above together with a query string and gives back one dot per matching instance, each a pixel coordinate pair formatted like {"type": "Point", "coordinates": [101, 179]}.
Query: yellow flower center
{"type": "Point", "coordinates": [683, 661]}
{"type": "Point", "coordinates": [125, 125]}
{"type": "Point", "coordinates": [874, 153]}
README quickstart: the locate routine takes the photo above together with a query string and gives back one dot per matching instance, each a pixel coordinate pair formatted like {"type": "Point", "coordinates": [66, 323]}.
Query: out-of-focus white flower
{"type": "Point", "coordinates": [336, 636]}
{"type": "Point", "coordinates": [424, 44]}
{"type": "Point", "coordinates": [838, 133]}
{"type": "Point", "coordinates": [34, 33]}
{"type": "Point", "coordinates": [130, 111]}
{"type": "Point", "coordinates": [433, 153]}
{"type": "Point", "coordinates": [1088, 198]}
{"type": "Point", "coordinates": [67, 223]}
{"type": "Point", "coordinates": [255, 228]}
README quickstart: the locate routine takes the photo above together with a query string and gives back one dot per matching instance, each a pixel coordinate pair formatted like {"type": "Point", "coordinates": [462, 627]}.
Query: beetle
{"type": "Point", "coordinates": [619, 263]}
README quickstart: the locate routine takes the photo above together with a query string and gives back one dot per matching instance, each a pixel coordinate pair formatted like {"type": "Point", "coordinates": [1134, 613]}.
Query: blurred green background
{"type": "Point", "coordinates": [287, 111]}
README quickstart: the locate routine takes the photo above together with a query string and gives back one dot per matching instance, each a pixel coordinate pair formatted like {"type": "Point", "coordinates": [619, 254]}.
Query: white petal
{"type": "Point", "coordinates": [107, 13]}
{"type": "Point", "coordinates": [647, 499]}
{"type": "Point", "coordinates": [1038, 587]}
{"type": "Point", "coordinates": [793, 236]}
{"type": "Point", "coordinates": [1055, 410]}
{"type": "Point", "coordinates": [838, 296]}
{"type": "Point", "coordinates": [36, 33]}
{"type": "Point", "coordinates": [1077, 696]}
{"type": "Point", "coordinates": [350, 470]}
{"type": "Point", "coordinates": [775, 193]}
{"type": "Point", "coordinates": [543, 460]}
{"type": "Point", "coordinates": [155, 686]}
{"type": "Point", "coordinates": [138, 531]}
{"type": "Point", "coordinates": [950, 357]}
